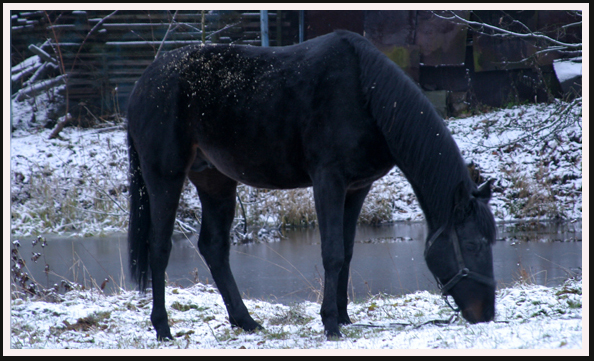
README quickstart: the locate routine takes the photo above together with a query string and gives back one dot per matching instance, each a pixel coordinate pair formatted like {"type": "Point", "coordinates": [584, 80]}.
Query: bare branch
{"type": "Point", "coordinates": [504, 32]}
{"type": "Point", "coordinates": [87, 36]}
{"type": "Point", "coordinates": [166, 34]}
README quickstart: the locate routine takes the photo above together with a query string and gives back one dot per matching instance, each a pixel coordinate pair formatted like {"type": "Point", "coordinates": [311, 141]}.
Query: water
{"type": "Point", "coordinates": [387, 259]}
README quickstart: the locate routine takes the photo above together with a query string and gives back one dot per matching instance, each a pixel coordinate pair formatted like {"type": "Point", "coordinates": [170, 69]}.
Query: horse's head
{"type": "Point", "coordinates": [460, 257]}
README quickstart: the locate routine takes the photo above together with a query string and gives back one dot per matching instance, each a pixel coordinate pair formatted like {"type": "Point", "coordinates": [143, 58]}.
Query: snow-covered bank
{"type": "Point", "coordinates": [527, 317]}
{"type": "Point", "coordinates": [77, 183]}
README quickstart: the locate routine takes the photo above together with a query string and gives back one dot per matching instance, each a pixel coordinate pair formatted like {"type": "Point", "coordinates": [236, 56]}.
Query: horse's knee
{"type": "Point", "coordinates": [160, 251]}
{"type": "Point", "coordinates": [213, 249]}
{"type": "Point", "coordinates": [333, 262]}
{"type": "Point", "coordinates": [205, 249]}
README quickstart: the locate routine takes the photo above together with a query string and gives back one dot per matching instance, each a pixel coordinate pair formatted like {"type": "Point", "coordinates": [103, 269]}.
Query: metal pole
{"type": "Point", "coordinates": [301, 26]}
{"type": "Point", "coordinates": [264, 27]}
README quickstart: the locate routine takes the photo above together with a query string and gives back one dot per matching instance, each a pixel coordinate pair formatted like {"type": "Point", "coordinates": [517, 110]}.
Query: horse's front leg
{"type": "Point", "coordinates": [329, 195]}
{"type": "Point", "coordinates": [352, 208]}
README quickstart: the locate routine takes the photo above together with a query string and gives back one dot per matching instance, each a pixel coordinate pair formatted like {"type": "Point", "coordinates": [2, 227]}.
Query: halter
{"type": "Point", "coordinates": [463, 271]}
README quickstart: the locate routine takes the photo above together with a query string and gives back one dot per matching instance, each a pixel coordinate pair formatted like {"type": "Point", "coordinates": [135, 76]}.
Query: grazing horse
{"type": "Point", "coordinates": [333, 113]}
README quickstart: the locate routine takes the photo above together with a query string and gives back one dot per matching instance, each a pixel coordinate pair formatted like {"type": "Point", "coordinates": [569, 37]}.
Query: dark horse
{"type": "Point", "coordinates": [333, 113]}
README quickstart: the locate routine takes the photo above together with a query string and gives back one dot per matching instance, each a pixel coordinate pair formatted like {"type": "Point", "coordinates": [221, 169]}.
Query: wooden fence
{"type": "Point", "coordinates": [104, 52]}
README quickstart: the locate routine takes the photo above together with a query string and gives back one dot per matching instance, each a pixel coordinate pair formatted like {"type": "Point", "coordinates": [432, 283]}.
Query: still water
{"type": "Point", "coordinates": [387, 259]}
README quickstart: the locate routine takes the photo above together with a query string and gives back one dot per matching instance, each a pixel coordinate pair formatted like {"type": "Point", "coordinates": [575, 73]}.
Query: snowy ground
{"type": "Point", "coordinates": [528, 317]}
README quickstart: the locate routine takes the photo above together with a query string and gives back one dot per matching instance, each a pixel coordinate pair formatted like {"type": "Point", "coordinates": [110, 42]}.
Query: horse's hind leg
{"type": "Point", "coordinates": [353, 203]}
{"type": "Point", "coordinates": [217, 196]}
{"type": "Point", "coordinates": [164, 196]}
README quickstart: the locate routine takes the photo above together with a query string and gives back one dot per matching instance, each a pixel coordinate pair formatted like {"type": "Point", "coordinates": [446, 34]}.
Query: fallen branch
{"type": "Point", "coordinates": [38, 87]}
{"type": "Point", "coordinates": [60, 126]}
{"type": "Point", "coordinates": [42, 72]}
{"type": "Point", "coordinates": [42, 54]}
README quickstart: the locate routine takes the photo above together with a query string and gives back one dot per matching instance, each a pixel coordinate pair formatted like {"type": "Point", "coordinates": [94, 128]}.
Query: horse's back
{"type": "Point", "coordinates": [267, 117]}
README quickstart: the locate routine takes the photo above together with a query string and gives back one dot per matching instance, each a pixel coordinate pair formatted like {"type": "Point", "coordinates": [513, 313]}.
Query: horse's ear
{"type": "Point", "coordinates": [461, 198]}
{"type": "Point", "coordinates": [483, 193]}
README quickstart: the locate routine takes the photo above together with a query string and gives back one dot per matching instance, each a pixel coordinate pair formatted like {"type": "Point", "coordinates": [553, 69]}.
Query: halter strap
{"type": "Point", "coordinates": [432, 239]}
{"type": "Point", "coordinates": [463, 271]}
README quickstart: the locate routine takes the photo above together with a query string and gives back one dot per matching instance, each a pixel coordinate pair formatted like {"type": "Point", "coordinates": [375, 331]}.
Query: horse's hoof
{"type": "Point", "coordinates": [164, 337]}
{"type": "Point", "coordinates": [249, 326]}
{"type": "Point", "coordinates": [333, 335]}
{"type": "Point", "coordinates": [344, 320]}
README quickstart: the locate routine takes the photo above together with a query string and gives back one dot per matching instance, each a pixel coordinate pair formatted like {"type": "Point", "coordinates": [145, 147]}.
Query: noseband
{"type": "Point", "coordinates": [463, 271]}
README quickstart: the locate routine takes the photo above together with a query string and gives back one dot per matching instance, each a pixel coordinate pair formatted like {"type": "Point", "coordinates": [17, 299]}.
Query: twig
{"type": "Point", "coordinates": [504, 32]}
{"type": "Point", "coordinates": [244, 217]}
{"type": "Point", "coordinates": [166, 34]}
{"type": "Point", "coordinates": [88, 34]}
{"type": "Point", "coordinates": [185, 227]}
{"type": "Point", "coordinates": [108, 129]}
{"type": "Point", "coordinates": [203, 35]}
{"type": "Point", "coordinates": [61, 125]}
{"type": "Point", "coordinates": [91, 113]}
{"type": "Point", "coordinates": [113, 200]}
{"type": "Point", "coordinates": [550, 124]}
{"type": "Point", "coordinates": [97, 212]}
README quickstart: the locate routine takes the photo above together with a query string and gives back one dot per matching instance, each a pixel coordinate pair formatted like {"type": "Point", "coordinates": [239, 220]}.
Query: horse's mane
{"type": "Point", "coordinates": [421, 144]}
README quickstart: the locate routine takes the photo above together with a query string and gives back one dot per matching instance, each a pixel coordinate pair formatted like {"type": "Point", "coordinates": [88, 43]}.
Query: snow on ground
{"type": "Point", "coordinates": [527, 317]}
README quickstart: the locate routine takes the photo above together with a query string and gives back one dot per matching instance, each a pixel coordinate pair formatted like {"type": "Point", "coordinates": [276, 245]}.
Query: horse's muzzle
{"type": "Point", "coordinates": [479, 312]}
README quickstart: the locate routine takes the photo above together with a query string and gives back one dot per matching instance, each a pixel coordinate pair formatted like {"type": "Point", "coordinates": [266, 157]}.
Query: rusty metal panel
{"type": "Point", "coordinates": [386, 29]}
{"type": "Point", "coordinates": [320, 22]}
{"type": "Point", "coordinates": [407, 57]}
{"type": "Point", "coordinates": [393, 33]}
{"type": "Point", "coordinates": [496, 53]}
{"type": "Point", "coordinates": [501, 54]}
{"type": "Point", "coordinates": [440, 41]}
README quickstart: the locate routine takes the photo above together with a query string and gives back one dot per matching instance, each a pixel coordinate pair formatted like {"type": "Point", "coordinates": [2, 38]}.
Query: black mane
{"type": "Point", "coordinates": [422, 145]}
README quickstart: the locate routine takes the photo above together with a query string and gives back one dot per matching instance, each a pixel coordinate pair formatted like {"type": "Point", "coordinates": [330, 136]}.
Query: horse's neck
{"type": "Point", "coordinates": [433, 173]}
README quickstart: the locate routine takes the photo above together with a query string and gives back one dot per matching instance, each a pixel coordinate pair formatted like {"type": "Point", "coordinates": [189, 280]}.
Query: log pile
{"type": "Point", "coordinates": [35, 75]}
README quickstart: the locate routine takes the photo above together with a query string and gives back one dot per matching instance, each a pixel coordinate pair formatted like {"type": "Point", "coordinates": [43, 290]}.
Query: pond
{"type": "Point", "coordinates": [387, 259]}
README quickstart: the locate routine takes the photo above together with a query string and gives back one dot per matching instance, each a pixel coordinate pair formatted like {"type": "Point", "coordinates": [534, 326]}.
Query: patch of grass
{"type": "Point", "coordinates": [352, 332]}
{"type": "Point", "coordinates": [294, 316]}
{"type": "Point", "coordinates": [94, 320]}
{"type": "Point", "coordinates": [278, 333]}
{"type": "Point", "coordinates": [67, 196]}
{"type": "Point", "coordinates": [529, 195]}
{"type": "Point", "coordinates": [574, 304]}
{"type": "Point", "coordinates": [183, 308]}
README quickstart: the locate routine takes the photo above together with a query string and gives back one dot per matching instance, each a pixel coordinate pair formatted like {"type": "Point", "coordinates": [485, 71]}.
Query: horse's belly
{"type": "Point", "coordinates": [267, 177]}
{"type": "Point", "coordinates": [270, 172]}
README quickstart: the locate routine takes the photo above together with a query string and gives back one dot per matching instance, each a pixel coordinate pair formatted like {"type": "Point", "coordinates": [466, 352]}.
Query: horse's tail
{"type": "Point", "coordinates": [140, 221]}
